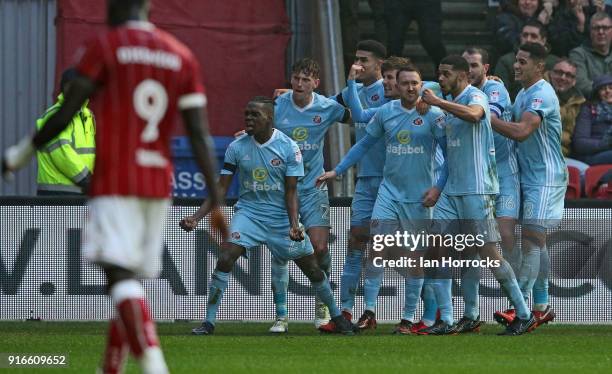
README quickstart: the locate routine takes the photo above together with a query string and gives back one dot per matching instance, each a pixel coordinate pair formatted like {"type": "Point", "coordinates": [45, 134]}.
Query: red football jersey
{"type": "Point", "coordinates": [144, 76]}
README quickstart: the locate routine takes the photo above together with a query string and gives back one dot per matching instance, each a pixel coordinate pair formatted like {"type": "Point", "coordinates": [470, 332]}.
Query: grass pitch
{"type": "Point", "coordinates": [247, 347]}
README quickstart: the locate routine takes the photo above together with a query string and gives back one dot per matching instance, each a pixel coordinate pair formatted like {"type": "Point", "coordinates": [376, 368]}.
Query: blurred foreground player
{"type": "Point", "coordinates": [269, 165]}
{"type": "Point", "coordinates": [139, 77]}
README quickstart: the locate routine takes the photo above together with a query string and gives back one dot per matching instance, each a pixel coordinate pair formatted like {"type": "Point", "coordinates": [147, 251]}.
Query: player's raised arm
{"type": "Point", "coordinates": [19, 155]}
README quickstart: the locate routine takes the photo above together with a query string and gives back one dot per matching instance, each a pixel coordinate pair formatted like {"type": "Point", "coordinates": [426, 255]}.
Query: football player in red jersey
{"type": "Point", "coordinates": [138, 78]}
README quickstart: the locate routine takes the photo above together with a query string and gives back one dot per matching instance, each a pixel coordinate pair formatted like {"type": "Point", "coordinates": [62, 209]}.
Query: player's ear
{"type": "Point", "coordinates": [317, 81]}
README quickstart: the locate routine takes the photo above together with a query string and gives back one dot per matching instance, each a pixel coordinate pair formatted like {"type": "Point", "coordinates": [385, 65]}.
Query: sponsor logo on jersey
{"type": "Point", "coordinates": [405, 149]}
{"type": "Point", "coordinates": [418, 121]}
{"type": "Point", "coordinates": [276, 162]}
{"type": "Point", "coordinates": [375, 97]}
{"type": "Point", "coordinates": [316, 119]}
{"type": "Point", "coordinates": [235, 235]}
{"type": "Point", "coordinates": [536, 103]}
{"type": "Point", "coordinates": [257, 186]}
{"type": "Point", "coordinates": [260, 174]}
{"type": "Point", "coordinates": [403, 136]}
{"type": "Point", "coordinates": [494, 97]}
{"type": "Point", "coordinates": [440, 121]}
{"type": "Point", "coordinates": [299, 134]}
{"type": "Point", "coordinates": [453, 142]}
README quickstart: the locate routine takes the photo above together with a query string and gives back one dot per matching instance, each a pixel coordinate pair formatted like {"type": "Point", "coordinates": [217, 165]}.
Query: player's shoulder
{"type": "Point", "coordinates": [240, 141]}
{"type": "Point", "coordinates": [283, 99]}
{"type": "Point", "coordinates": [283, 139]}
{"type": "Point", "coordinates": [435, 112]}
{"type": "Point", "coordinates": [324, 102]}
{"type": "Point", "coordinates": [475, 93]}
{"type": "Point", "coordinates": [492, 85]}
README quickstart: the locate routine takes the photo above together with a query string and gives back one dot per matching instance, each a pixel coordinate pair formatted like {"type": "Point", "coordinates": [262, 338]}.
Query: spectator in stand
{"type": "Point", "coordinates": [593, 135]}
{"type": "Point", "coordinates": [563, 80]}
{"type": "Point", "coordinates": [568, 29]}
{"type": "Point", "coordinates": [513, 16]}
{"type": "Point", "coordinates": [532, 32]}
{"type": "Point", "coordinates": [428, 15]}
{"type": "Point", "coordinates": [593, 57]}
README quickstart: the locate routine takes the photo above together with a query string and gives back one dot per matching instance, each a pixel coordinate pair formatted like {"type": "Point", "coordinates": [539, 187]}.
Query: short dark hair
{"type": "Point", "coordinates": [408, 67]}
{"type": "Point", "coordinates": [394, 63]}
{"type": "Point", "coordinates": [473, 50]}
{"type": "Point", "coordinates": [457, 62]}
{"type": "Point", "coordinates": [307, 66]}
{"type": "Point", "coordinates": [598, 16]}
{"type": "Point", "coordinates": [264, 101]}
{"type": "Point", "coordinates": [567, 61]}
{"type": "Point", "coordinates": [370, 45]}
{"type": "Point", "coordinates": [536, 51]}
{"type": "Point", "coordinates": [537, 24]}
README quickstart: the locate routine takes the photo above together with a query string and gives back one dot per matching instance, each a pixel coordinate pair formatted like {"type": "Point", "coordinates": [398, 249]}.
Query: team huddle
{"type": "Point", "coordinates": [452, 157]}
{"type": "Point", "coordinates": [477, 164]}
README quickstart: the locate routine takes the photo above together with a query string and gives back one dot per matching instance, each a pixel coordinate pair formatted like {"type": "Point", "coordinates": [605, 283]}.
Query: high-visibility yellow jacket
{"type": "Point", "coordinates": [68, 158]}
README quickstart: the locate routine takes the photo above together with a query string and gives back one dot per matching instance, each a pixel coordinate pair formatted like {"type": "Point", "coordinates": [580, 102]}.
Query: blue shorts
{"type": "Point", "coordinates": [250, 233]}
{"type": "Point", "coordinates": [542, 205]}
{"type": "Point", "coordinates": [366, 191]}
{"type": "Point", "coordinates": [391, 216]}
{"type": "Point", "coordinates": [466, 214]}
{"type": "Point", "coordinates": [314, 208]}
{"type": "Point", "coordinates": [508, 202]}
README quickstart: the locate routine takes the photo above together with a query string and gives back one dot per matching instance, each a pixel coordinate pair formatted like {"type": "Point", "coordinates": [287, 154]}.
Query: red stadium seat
{"type": "Point", "coordinates": [573, 185]}
{"type": "Point", "coordinates": [592, 176]}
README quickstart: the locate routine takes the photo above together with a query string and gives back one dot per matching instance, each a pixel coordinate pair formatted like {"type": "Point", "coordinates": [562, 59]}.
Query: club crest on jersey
{"type": "Point", "coordinates": [316, 119]}
{"type": "Point", "coordinates": [536, 103]}
{"type": "Point", "coordinates": [476, 97]}
{"type": "Point", "coordinates": [276, 162]}
{"type": "Point", "coordinates": [375, 97]}
{"type": "Point", "coordinates": [260, 174]}
{"type": "Point", "coordinates": [494, 97]}
{"type": "Point", "coordinates": [236, 235]}
{"type": "Point", "coordinates": [298, 156]}
{"type": "Point", "coordinates": [418, 121]}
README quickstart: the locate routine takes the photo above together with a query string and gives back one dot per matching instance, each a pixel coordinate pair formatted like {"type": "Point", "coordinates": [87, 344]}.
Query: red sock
{"type": "Point", "coordinates": [138, 324]}
{"type": "Point", "coordinates": [116, 348]}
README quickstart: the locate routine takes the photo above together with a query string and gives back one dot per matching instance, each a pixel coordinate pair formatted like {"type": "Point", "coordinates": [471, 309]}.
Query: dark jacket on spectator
{"type": "Point", "coordinates": [508, 28]}
{"type": "Point", "coordinates": [590, 65]}
{"type": "Point", "coordinates": [562, 32]}
{"type": "Point", "coordinates": [594, 120]}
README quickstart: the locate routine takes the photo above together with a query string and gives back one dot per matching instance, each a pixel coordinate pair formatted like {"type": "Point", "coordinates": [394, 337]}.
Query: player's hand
{"type": "Point", "coordinates": [422, 107]}
{"type": "Point", "coordinates": [217, 221]}
{"type": "Point", "coordinates": [495, 78]}
{"type": "Point", "coordinates": [189, 223]}
{"type": "Point", "coordinates": [430, 97]}
{"type": "Point", "coordinates": [431, 196]}
{"type": "Point", "coordinates": [324, 177]}
{"type": "Point", "coordinates": [296, 233]}
{"type": "Point", "coordinates": [355, 71]}
{"type": "Point", "coordinates": [279, 91]}
{"type": "Point", "coordinates": [238, 134]}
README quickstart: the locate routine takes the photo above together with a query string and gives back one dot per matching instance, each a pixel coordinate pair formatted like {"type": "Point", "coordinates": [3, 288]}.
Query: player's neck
{"type": "Point", "coordinates": [372, 80]}
{"type": "Point", "coordinates": [302, 100]}
{"type": "Point", "coordinates": [264, 137]}
{"type": "Point", "coordinates": [408, 104]}
{"type": "Point", "coordinates": [460, 87]}
{"type": "Point", "coordinates": [528, 83]}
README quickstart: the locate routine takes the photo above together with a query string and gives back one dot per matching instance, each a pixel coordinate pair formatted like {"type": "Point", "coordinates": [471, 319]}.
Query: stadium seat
{"type": "Point", "coordinates": [592, 176]}
{"type": "Point", "coordinates": [573, 184]}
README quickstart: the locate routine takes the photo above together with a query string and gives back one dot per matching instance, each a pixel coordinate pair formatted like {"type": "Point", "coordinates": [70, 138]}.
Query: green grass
{"type": "Point", "coordinates": [247, 347]}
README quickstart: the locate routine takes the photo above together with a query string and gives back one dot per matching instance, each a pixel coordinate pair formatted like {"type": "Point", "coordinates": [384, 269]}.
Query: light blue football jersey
{"type": "Point", "coordinates": [307, 127]}
{"type": "Point", "coordinates": [505, 148]}
{"type": "Point", "coordinates": [262, 169]}
{"type": "Point", "coordinates": [411, 141]}
{"type": "Point", "coordinates": [540, 158]}
{"type": "Point", "coordinates": [470, 149]}
{"type": "Point", "coordinates": [372, 96]}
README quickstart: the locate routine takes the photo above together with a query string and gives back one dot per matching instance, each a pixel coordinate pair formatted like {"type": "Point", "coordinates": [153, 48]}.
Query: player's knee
{"type": "Point", "coordinates": [320, 248]}
{"type": "Point", "coordinates": [314, 274]}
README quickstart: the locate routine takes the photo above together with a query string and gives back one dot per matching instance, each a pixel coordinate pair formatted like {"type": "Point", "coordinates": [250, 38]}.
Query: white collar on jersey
{"type": "Point", "coordinates": [142, 25]}
{"type": "Point", "coordinates": [274, 136]}
{"type": "Point", "coordinates": [462, 93]}
{"type": "Point", "coordinates": [304, 108]}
